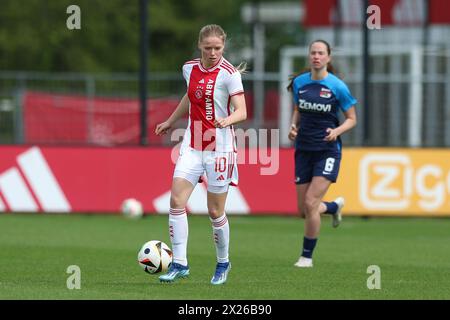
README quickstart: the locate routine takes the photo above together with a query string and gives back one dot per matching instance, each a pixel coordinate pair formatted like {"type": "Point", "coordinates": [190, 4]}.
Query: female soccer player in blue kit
{"type": "Point", "coordinates": [318, 96]}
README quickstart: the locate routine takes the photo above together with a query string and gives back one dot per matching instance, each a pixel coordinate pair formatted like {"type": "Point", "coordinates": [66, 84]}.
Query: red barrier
{"type": "Point", "coordinates": [79, 120]}
{"type": "Point", "coordinates": [53, 118]}
{"type": "Point", "coordinates": [393, 13]}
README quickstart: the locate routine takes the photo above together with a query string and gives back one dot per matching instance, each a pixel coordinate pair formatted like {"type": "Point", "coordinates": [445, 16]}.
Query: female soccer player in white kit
{"type": "Point", "coordinates": [215, 102]}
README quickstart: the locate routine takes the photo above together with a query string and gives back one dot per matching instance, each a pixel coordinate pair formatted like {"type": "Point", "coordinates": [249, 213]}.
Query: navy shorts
{"type": "Point", "coordinates": [309, 164]}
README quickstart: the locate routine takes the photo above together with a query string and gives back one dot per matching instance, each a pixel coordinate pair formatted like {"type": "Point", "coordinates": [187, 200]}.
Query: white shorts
{"type": "Point", "coordinates": [220, 168]}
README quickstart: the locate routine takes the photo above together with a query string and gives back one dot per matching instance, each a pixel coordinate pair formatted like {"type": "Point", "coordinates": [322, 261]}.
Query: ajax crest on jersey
{"type": "Point", "coordinates": [198, 93]}
{"type": "Point", "coordinates": [155, 256]}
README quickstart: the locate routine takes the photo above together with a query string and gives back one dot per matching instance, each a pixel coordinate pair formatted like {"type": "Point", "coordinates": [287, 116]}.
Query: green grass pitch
{"type": "Point", "coordinates": [36, 250]}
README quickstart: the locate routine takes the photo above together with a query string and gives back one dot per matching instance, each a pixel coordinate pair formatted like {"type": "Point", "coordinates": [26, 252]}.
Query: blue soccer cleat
{"type": "Point", "coordinates": [175, 271]}
{"type": "Point", "coordinates": [220, 276]}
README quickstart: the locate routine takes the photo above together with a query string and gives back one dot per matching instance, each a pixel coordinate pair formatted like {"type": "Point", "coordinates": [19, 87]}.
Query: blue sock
{"type": "Point", "coordinates": [332, 207]}
{"type": "Point", "coordinates": [308, 247]}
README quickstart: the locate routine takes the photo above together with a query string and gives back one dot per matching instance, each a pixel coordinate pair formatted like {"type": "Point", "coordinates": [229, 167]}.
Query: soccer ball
{"type": "Point", "coordinates": [132, 208]}
{"type": "Point", "coordinates": [155, 256]}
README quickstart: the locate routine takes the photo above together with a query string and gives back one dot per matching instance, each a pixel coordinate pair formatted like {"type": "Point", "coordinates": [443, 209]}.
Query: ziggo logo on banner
{"type": "Point", "coordinates": [387, 182]}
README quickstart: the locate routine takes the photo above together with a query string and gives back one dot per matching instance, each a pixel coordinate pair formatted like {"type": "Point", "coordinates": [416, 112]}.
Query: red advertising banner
{"type": "Point", "coordinates": [58, 179]}
{"type": "Point", "coordinates": [373, 181]}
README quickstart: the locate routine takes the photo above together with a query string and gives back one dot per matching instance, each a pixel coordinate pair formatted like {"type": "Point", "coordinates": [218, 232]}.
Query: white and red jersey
{"type": "Point", "coordinates": [209, 92]}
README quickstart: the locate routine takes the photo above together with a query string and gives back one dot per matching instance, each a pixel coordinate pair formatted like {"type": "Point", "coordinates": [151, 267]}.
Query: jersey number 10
{"type": "Point", "coordinates": [221, 164]}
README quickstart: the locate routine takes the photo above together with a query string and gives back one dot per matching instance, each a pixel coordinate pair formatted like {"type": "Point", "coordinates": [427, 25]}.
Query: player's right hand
{"type": "Point", "coordinates": [293, 133]}
{"type": "Point", "coordinates": [162, 128]}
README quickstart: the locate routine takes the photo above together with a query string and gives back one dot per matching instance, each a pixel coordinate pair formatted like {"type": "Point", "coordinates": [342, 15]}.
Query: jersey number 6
{"type": "Point", "coordinates": [329, 165]}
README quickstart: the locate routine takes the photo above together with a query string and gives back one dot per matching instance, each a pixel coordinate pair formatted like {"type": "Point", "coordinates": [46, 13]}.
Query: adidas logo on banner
{"type": "Point", "coordinates": [31, 186]}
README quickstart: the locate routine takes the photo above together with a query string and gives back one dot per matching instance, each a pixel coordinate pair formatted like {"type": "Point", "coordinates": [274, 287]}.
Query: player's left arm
{"type": "Point", "coordinates": [349, 123]}
{"type": "Point", "coordinates": [239, 114]}
{"type": "Point", "coordinates": [234, 85]}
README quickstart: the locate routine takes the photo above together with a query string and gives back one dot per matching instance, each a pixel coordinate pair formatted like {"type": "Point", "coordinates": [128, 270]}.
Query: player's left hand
{"type": "Point", "coordinates": [331, 135]}
{"type": "Point", "coordinates": [221, 122]}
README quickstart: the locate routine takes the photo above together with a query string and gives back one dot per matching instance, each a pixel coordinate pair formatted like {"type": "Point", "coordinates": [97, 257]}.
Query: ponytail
{"type": "Point", "coordinates": [293, 76]}
{"type": "Point", "coordinates": [242, 67]}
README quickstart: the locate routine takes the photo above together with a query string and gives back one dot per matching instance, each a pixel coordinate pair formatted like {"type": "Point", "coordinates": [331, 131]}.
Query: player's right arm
{"type": "Point", "coordinates": [180, 111]}
{"type": "Point", "coordinates": [293, 130]}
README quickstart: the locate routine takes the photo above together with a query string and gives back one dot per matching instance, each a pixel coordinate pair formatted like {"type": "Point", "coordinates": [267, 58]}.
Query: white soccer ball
{"type": "Point", "coordinates": [132, 208]}
{"type": "Point", "coordinates": [155, 256]}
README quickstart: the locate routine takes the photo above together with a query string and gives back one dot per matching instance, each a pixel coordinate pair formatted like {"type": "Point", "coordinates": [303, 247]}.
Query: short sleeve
{"type": "Point", "coordinates": [295, 89]}
{"type": "Point", "coordinates": [345, 98]}
{"type": "Point", "coordinates": [185, 72]}
{"type": "Point", "coordinates": [234, 84]}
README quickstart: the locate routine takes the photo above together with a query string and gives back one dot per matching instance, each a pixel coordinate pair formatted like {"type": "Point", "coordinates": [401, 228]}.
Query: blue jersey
{"type": "Point", "coordinates": [319, 102]}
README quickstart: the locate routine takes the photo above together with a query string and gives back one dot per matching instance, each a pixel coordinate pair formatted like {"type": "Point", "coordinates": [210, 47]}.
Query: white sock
{"type": "Point", "coordinates": [178, 231]}
{"type": "Point", "coordinates": [221, 234]}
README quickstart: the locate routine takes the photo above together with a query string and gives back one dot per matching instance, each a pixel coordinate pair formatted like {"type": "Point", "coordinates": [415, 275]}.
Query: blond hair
{"type": "Point", "coordinates": [214, 30]}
